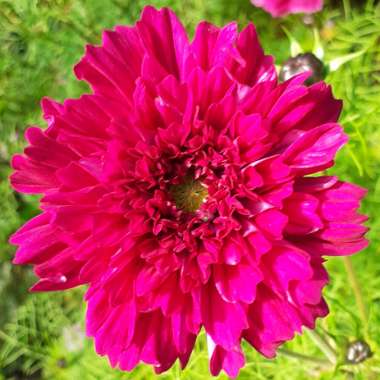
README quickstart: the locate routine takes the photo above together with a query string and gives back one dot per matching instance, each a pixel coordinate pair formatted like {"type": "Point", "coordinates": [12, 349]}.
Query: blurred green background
{"type": "Point", "coordinates": [42, 335]}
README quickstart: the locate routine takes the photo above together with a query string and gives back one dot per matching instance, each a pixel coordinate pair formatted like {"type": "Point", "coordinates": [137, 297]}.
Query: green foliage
{"type": "Point", "coordinates": [42, 335]}
{"type": "Point", "coordinates": [33, 328]}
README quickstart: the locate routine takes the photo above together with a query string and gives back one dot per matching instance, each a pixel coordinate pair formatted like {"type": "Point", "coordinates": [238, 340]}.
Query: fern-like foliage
{"type": "Point", "coordinates": [35, 326]}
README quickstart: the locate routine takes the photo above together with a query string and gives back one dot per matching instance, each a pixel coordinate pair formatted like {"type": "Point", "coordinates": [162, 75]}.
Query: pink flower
{"type": "Point", "coordinates": [179, 191]}
{"type": "Point", "coordinates": [279, 8]}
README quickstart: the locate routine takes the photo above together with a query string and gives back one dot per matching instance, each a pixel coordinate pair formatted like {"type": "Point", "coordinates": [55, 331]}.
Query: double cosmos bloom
{"type": "Point", "coordinates": [279, 8]}
{"type": "Point", "coordinates": [180, 192]}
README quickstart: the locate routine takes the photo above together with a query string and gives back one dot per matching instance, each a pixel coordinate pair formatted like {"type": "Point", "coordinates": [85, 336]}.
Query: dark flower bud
{"type": "Point", "coordinates": [300, 64]}
{"type": "Point", "coordinates": [357, 352]}
{"type": "Point", "coordinates": [61, 363]}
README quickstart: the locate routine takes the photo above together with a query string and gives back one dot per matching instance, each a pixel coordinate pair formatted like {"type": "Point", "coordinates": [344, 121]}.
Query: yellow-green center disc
{"type": "Point", "coordinates": [189, 195]}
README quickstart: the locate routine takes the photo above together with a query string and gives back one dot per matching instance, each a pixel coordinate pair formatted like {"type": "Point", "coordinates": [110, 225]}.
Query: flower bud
{"type": "Point", "coordinates": [357, 352]}
{"type": "Point", "coordinates": [300, 64]}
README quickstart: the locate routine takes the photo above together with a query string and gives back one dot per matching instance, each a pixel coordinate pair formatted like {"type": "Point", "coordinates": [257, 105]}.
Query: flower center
{"type": "Point", "coordinates": [189, 195]}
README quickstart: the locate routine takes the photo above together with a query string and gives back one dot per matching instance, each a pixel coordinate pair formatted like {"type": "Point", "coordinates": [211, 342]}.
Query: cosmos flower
{"type": "Point", "coordinates": [280, 8]}
{"type": "Point", "coordinates": [179, 192]}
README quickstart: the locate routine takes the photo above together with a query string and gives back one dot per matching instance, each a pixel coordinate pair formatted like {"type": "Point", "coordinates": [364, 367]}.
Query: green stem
{"type": "Point", "coordinates": [347, 8]}
{"type": "Point", "coordinates": [323, 346]}
{"type": "Point", "coordinates": [356, 289]}
{"type": "Point", "coordinates": [305, 358]}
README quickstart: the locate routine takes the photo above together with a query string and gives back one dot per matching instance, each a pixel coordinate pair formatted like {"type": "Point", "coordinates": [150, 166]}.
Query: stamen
{"type": "Point", "coordinates": [189, 195]}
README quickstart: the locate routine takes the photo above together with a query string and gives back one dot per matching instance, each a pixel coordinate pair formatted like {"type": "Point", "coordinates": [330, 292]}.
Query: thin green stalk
{"type": "Point", "coordinates": [347, 9]}
{"type": "Point", "coordinates": [305, 358]}
{"type": "Point", "coordinates": [323, 346]}
{"type": "Point", "coordinates": [356, 289]}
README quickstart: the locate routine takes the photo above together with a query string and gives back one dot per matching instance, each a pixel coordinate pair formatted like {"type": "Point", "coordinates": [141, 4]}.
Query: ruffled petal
{"type": "Point", "coordinates": [229, 360]}
{"type": "Point", "coordinates": [223, 321]}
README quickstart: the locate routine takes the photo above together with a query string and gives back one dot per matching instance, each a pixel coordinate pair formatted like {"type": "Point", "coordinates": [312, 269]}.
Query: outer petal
{"type": "Point", "coordinates": [257, 67]}
{"type": "Point", "coordinates": [161, 31]}
{"type": "Point", "coordinates": [80, 123]}
{"type": "Point", "coordinates": [237, 283]}
{"type": "Point", "coordinates": [223, 321]}
{"type": "Point", "coordinates": [274, 319]}
{"type": "Point", "coordinates": [229, 360]}
{"type": "Point", "coordinates": [31, 177]}
{"type": "Point", "coordinates": [315, 150]}
{"type": "Point", "coordinates": [302, 210]}
{"type": "Point", "coordinates": [108, 74]}
{"type": "Point", "coordinates": [38, 241]}
{"type": "Point", "coordinates": [343, 231]}
{"type": "Point", "coordinates": [283, 265]}
{"type": "Point", "coordinates": [213, 46]}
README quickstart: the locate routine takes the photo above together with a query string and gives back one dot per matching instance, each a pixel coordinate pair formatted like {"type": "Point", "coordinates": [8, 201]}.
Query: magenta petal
{"type": "Point", "coordinates": [223, 321]}
{"type": "Point", "coordinates": [232, 252]}
{"type": "Point", "coordinates": [237, 284]}
{"type": "Point", "coordinates": [312, 184]}
{"type": "Point", "coordinates": [156, 29]}
{"type": "Point", "coordinates": [210, 42]}
{"type": "Point", "coordinates": [30, 177]}
{"type": "Point", "coordinates": [303, 214]}
{"type": "Point", "coordinates": [278, 319]}
{"type": "Point", "coordinates": [257, 67]}
{"type": "Point", "coordinates": [284, 264]}
{"type": "Point", "coordinates": [315, 149]}
{"type": "Point", "coordinates": [272, 222]}
{"type": "Point", "coordinates": [229, 360]}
